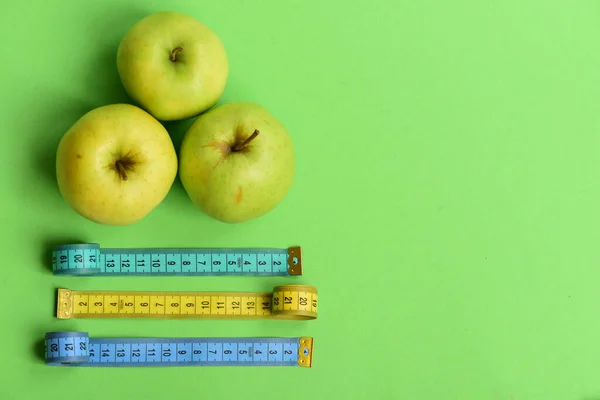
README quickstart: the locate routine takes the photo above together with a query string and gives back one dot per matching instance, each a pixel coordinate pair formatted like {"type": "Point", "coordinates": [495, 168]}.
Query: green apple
{"type": "Point", "coordinates": [172, 65]}
{"type": "Point", "coordinates": [237, 162]}
{"type": "Point", "coordinates": [115, 164]}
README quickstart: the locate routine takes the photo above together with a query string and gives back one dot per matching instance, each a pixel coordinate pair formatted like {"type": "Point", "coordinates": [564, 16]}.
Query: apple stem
{"type": "Point", "coordinates": [121, 169]}
{"type": "Point", "coordinates": [174, 53]}
{"type": "Point", "coordinates": [242, 145]}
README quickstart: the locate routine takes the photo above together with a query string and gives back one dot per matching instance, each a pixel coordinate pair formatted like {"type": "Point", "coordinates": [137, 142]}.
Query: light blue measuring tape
{"type": "Point", "coordinates": [91, 260]}
{"type": "Point", "coordinates": [77, 349]}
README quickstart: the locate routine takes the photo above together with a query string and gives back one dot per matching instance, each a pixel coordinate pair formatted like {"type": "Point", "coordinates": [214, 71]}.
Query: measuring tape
{"type": "Point", "coordinates": [89, 259]}
{"type": "Point", "coordinates": [295, 302]}
{"type": "Point", "coordinates": [77, 349]}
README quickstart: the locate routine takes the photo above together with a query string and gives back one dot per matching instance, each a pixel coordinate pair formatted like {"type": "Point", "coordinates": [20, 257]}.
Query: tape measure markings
{"type": "Point", "coordinates": [91, 260]}
{"type": "Point", "coordinates": [285, 302]}
{"type": "Point", "coordinates": [77, 349]}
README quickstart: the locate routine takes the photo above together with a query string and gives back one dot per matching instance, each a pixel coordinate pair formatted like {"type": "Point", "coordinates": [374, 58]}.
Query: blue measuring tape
{"type": "Point", "coordinates": [77, 349]}
{"type": "Point", "coordinates": [91, 260]}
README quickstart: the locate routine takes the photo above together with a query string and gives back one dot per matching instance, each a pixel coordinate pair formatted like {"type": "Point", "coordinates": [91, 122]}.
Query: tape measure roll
{"type": "Point", "coordinates": [293, 302]}
{"type": "Point", "coordinates": [77, 349]}
{"type": "Point", "coordinates": [90, 260]}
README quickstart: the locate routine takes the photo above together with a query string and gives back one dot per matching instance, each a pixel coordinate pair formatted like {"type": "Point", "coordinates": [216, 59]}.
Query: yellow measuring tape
{"type": "Point", "coordinates": [294, 302]}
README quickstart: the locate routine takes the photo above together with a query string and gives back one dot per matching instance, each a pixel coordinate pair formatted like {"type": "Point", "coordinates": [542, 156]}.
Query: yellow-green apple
{"type": "Point", "coordinates": [237, 162]}
{"type": "Point", "coordinates": [115, 164]}
{"type": "Point", "coordinates": [172, 65]}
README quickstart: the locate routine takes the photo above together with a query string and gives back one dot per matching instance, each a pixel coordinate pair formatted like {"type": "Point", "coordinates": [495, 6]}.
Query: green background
{"type": "Point", "coordinates": [446, 196]}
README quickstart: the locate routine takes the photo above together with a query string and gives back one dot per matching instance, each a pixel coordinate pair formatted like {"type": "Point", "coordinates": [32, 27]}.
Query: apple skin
{"type": "Point", "coordinates": [89, 178]}
{"type": "Point", "coordinates": [236, 186]}
{"type": "Point", "coordinates": [172, 90]}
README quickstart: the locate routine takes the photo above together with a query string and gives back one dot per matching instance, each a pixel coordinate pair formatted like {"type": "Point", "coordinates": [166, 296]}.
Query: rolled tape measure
{"type": "Point", "coordinates": [91, 260]}
{"type": "Point", "coordinates": [77, 349]}
{"type": "Point", "coordinates": [293, 302]}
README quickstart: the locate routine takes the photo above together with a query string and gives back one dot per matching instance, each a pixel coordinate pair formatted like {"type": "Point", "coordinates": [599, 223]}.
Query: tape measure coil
{"type": "Point", "coordinates": [78, 349]}
{"type": "Point", "coordinates": [291, 302]}
{"type": "Point", "coordinates": [91, 260]}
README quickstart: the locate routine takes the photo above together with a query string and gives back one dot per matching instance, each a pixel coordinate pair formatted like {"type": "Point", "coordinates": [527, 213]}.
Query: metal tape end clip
{"type": "Point", "coordinates": [295, 260]}
{"type": "Point", "coordinates": [305, 352]}
{"type": "Point", "coordinates": [64, 308]}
